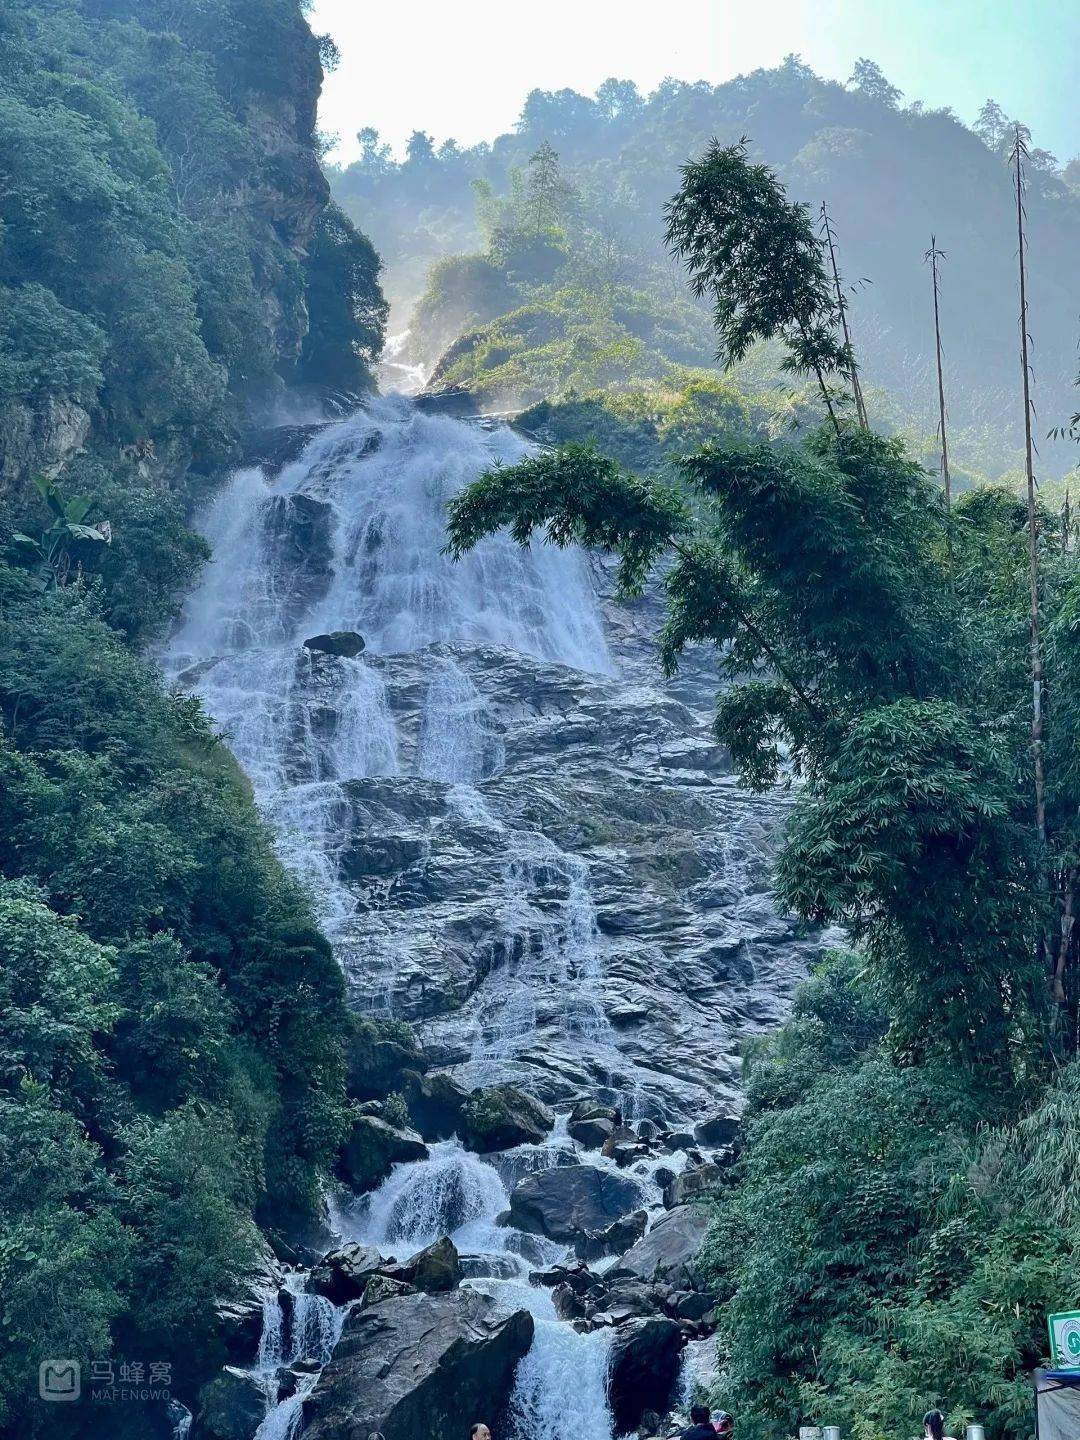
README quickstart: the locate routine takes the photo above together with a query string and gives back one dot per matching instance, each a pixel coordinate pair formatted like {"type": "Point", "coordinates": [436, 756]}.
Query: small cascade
{"type": "Point", "coordinates": [180, 1418]}
{"type": "Point", "coordinates": [304, 1330]}
{"type": "Point", "coordinates": [456, 744]}
{"type": "Point", "coordinates": [452, 1193]}
{"type": "Point", "coordinates": [561, 1387]}
{"type": "Point", "coordinates": [552, 957]}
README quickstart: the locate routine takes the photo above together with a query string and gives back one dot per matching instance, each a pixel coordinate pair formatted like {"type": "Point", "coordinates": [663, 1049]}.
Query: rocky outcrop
{"type": "Point", "coordinates": [572, 1202]}
{"type": "Point", "coordinates": [643, 1369]}
{"type": "Point", "coordinates": [669, 1251]}
{"type": "Point", "coordinates": [435, 1103]}
{"type": "Point", "coordinates": [373, 1148]}
{"type": "Point", "coordinates": [416, 1366]}
{"type": "Point", "coordinates": [231, 1407]}
{"type": "Point", "coordinates": [501, 1116]}
{"type": "Point", "coordinates": [343, 1274]}
{"type": "Point", "coordinates": [39, 434]}
{"type": "Point", "coordinates": [692, 1185]}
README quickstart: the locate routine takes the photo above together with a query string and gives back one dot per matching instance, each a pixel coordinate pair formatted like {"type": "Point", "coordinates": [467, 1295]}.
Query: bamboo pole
{"type": "Point", "coordinates": [841, 304]}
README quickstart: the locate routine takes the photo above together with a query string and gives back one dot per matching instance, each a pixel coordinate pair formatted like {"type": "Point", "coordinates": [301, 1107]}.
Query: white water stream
{"type": "Point", "coordinates": [350, 537]}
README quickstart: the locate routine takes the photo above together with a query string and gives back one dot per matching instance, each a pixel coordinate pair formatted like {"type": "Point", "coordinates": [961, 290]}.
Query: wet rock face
{"type": "Point", "coordinates": [418, 1365]}
{"type": "Point", "coordinates": [669, 1251]}
{"type": "Point", "coordinates": [643, 1369]}
{"type": "Point", "coordinates": [596, 919]}
{"type": "Point", "coordinates": [572, 1202]}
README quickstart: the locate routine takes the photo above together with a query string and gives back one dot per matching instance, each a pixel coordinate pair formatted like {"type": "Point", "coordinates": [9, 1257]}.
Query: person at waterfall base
{"type": "Point", "coordinates": [479, 1432]}
{"type": "Point", "coordinates": [723, 1424]}
{"type": "Point", "coordinates": [933, 1424]}
{"type": "Point", "coordinates": [700, 1426]}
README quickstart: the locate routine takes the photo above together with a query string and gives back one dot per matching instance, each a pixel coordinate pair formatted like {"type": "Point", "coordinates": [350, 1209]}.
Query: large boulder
{"type": "Point", "coordinates": [571, 1200]}
{"type": "Point", "coordinates": [435, 1103]}
{"type": "Point", "coordinates": [231, 1407]}
{"type": "Point", "coordinates": [373, 1148]}
{"type": "Point", "coordinates": [502, 1116]}
{"type": "Point", "coordinates": [719, 1130]}
{"type": "Point", "coordinates": [591, 1123]}
{"type": "Point", "coordinates": [643, 1369]}
{"type": "Point", "coordinates": [436, 1268]}
{"type": "Point", "coordinates": [612, 1239]}
{"type": "Point", "coordinates": [418, 1365]}
{"type": "Point", "coordinates": [384, 1287]}
{"type": "Point", "coordinates": [692, 1185]}
{"type": "Point", "coordinates": [669, 1251]}
{"type": "Point", "coordinates": [343, 1275]}
{"type": "Point", "coordinates": [344, 643]}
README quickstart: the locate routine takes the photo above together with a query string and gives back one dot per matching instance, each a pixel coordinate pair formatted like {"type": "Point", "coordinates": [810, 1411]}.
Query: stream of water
{"type": "Point", "coordinates": [349, 537]}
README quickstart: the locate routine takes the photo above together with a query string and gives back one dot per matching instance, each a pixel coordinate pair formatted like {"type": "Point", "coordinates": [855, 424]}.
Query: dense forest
{"type": "Point", "coordinates": [548, 245]}
{"type": "Point", "coordinates": [171, 1022]}
{"type": "Point", "coordinates": [900, 1220]}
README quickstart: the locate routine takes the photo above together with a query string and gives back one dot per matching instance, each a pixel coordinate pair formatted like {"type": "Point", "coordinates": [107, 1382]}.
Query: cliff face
{"type": "Point", "coordinates": [160, 193]}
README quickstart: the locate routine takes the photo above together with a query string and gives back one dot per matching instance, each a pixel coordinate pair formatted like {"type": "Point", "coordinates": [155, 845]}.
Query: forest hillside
{"type": "Point", "coordinates": [559, 225]}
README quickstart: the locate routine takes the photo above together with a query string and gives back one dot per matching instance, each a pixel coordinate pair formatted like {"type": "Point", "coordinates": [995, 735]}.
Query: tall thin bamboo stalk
{"type": "Point", "coordinates": [1037, 677]}
{"type": "Point", "coordinates": [934, 255]}
{"type": "Point", "coordinates": [841, 305]}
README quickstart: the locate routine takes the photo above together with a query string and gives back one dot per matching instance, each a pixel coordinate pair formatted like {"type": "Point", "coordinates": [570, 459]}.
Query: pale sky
{"type": "Point", "coordinates": [461, 68]}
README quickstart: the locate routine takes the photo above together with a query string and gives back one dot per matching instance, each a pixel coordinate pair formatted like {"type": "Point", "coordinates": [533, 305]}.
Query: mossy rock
{"type": "Point", "coordinates": [503, 1116]}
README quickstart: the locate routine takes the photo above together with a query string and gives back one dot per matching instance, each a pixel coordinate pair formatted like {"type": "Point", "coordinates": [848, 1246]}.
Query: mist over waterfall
{"type": "Point", "coordinates": [516, 839]}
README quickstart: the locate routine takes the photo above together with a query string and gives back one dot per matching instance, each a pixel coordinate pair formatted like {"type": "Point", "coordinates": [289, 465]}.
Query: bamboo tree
{"type": "Point", "coordinates": [934, 254]}
{"type": "Point", "coordinates": [756, 254]}
{"type": "Point", "coordinates": [1038, 685]}
{"type": "Point", "coordinates": [841, 305]}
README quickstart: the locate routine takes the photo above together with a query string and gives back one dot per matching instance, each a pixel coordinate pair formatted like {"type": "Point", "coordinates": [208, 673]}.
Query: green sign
{"type": "Point", "coordinates": [1065, 1339]}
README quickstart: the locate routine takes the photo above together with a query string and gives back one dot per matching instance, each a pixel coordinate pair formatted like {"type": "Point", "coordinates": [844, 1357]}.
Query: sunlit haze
{"type": "Point", "coordinates": [462, 70]}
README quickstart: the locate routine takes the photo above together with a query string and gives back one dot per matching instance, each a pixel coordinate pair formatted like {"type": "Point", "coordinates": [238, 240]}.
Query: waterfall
{"type": "Point", "coordinates": [350, 537]}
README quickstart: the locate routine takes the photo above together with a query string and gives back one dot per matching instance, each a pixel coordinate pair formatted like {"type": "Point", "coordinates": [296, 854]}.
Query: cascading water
{"type": "Point", "coordinates": [349, 538]}
{"type": "Point", "coordinates": [304, 1331]}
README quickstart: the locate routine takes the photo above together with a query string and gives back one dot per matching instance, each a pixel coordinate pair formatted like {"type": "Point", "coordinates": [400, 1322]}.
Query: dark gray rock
{"type": "Point", "coordinates": [564, 1202]}
{"type": "Point", "coordinates": [695, 1306]}
{"type": "Point", "coordinates": [416, 1365]}
{"type": "Point", "coordinates": [591, 1123]}
{"type": "Point", "coordinates": [620, 1135]}
{"type": "Point", "coordinates": [436, 1268]}
{"type": "Point", "coordinates": [669, 1251]}
{"type": "Point", "coordinates": [343, 1274]}
{"type": "Point", "coordinates": [346, 644]}
{"type": "Point", "coordinates": [502, 1116]}
{"type": "Point", "coordinates": [692, 1185]}
{"type": "Point", "coordinates": [612, 1239]}
{"type": "Point", "coordinates": [579, 1277]}
{"type": "Point", "coordinates": [271, 450]}
{"type": "Point", "coordinates": [373, 1148]}
{"type": "Point", "coordinates": [384, 1287]}
{"type": "Point", "coordinates": [231, 1407]}
{"type": "Point", "coordinates": [643, 1369]}
{"type": "Point", "coordinates": [719, 1130]}
{"type": "Point", "coordinates": [435, 1103]}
